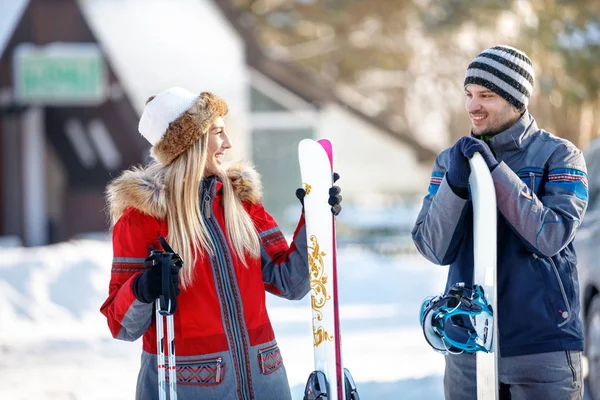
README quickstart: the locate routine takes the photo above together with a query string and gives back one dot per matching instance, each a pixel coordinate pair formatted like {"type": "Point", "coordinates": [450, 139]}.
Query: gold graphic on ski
{"type": "Point", "coordinates": [307, 188]}
{"type": "Point", "coordinates": [320, 335]}
{"type": "Point", "coordinates": [319, 296]}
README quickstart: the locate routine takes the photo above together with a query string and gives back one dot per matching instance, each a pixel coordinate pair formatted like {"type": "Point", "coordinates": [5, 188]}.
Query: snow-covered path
{"type": "Point", "coordinates": [54, 344]}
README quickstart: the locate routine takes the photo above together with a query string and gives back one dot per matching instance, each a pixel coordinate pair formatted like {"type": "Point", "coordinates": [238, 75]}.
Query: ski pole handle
{"type": "Point", "coordinates": [165, 298]}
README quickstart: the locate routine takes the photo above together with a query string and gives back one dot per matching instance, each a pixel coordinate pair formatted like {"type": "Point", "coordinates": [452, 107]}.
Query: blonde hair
{"type": "Point", "coordinates": [188, 233]}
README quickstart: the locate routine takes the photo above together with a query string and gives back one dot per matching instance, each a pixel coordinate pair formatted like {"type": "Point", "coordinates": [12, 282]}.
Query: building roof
{"type": "Point", "coordinates": [307, 85]}
{"type": "Point", "coordinates": [157, 44]}
{"type": "Point", "coordinates": [298, 80]}
{"type": "Point", "coordinates": [10, 15]}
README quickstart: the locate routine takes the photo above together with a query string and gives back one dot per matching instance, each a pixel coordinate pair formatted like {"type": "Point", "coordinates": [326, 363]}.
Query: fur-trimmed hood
{"type": "Point", "coordinates": [144, 189]}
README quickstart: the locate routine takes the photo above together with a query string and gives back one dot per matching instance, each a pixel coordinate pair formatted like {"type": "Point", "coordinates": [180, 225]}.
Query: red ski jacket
{"type": "Point", "coordinates": [222, 315]}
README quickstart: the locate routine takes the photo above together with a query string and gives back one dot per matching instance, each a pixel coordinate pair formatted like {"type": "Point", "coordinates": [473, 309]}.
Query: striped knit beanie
{"type": "Point", "coordinates": [506, 71]}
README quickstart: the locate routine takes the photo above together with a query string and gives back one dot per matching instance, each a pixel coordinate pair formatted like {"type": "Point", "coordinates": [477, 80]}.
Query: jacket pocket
{"type": "Point", "coordinates": [200, 372]}
{"type": "Point", "coordinates": [532, 177]}
{"type": "Point", "coordinates": [555, 288]}
{"type": "Point", "coordinates": [269, 359]}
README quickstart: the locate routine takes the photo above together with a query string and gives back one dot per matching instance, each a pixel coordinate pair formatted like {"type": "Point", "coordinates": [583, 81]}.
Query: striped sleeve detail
{"type": "Point", "coordinates": [434, 182]}
{"type": "Point", "coordinates": [127, 265]}
{"type": "Point", "coordinates": [572, 180]}
{"type": "Point", "coordinates": [272, 237]}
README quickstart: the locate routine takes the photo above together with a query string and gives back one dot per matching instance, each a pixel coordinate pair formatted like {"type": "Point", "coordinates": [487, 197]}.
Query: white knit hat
{"type": "Point", "coordinates": [165, 108]}
{"type": "Point", "coordinates": [175, 119]}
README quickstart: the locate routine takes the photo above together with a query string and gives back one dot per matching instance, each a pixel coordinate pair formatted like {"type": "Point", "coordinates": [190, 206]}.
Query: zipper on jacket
{"type": "Point", "coordinates": [562, 290]}
{"type": "Point", "coordinates": [268, 349]}
{"type": "Point", "coordinates": [207, 199]}
{"type": "Point", "coordinates": [218, 376]}
{"type": "Point", "coordinates": [532, 182]}
{"type": "Point", "coordinates": [564, 293]}
{"type": "Point", "coordinates": [228, 297]}
{"type": "Point", "coordinates": [263, 353]}
{"type": "Point", "coordinates": [218, 361]}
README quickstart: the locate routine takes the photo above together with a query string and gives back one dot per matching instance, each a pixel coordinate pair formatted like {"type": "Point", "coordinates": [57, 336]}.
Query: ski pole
{"type": "Point", "coordinates": [173, 258]}
{"type": "Point", "coordinates": [172, 362]}
{"type": "Point", "coordinates": [160, 357]}
{"type": "Point", "coordinates": [165, 308]}
{"type": "Point", "coordinates": [160, 337]}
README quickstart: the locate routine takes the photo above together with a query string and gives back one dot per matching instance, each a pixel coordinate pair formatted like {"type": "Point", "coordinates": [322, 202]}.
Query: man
{"type": "Point", "coordinates": [541, 191]}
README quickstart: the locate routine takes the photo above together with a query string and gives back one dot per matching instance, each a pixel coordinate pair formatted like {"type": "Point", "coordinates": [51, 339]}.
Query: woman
{"type": "Point", "coordinates": [232, 249]}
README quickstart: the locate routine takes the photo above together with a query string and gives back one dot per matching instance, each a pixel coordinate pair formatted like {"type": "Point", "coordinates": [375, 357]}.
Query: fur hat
{"type": "Point", "coordinates": [176, 118]}
{"type": "Point", "coordinates": [505, 71]}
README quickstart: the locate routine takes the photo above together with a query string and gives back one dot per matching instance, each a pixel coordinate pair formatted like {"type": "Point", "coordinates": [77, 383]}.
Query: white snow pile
{"type": "Point", "coordinates": [55, 344]}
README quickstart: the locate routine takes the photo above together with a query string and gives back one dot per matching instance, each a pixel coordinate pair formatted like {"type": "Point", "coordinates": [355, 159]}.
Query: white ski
{"type": "Point", "coordinates": [483, 195]}
{"type": "Point", "coordinates": [327, 382]}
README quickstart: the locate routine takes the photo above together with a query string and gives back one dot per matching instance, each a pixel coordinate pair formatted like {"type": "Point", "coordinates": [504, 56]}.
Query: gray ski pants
{"type": "Point", "coordinates": [548, 376]}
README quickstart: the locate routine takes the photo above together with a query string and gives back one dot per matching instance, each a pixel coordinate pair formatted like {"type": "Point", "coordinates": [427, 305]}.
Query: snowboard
{"type": "Point", "coordinates": [329, 380]}
{"type": "Point", "coordinates": [483, 195]}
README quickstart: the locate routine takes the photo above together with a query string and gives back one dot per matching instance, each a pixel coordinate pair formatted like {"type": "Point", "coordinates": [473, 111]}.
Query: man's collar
{"type": "Point", "coordinates": [515, 137]}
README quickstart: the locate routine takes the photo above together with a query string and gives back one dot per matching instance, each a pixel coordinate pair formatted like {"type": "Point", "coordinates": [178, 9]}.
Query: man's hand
{"type": "Point", "coordinates": [458, 166]}
{"type": "Point", "coordinates": [471, 146]}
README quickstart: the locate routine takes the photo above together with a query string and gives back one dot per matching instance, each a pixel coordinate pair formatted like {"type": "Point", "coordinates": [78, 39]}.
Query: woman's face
{"type": "Point", "coordinates": [218, 142]}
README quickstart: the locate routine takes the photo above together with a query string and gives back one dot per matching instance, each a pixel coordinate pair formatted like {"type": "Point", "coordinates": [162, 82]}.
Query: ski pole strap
{"type": "Point", "coordinates": [165, 245]}
{"type": "Point", "coordinates": [169, 249]}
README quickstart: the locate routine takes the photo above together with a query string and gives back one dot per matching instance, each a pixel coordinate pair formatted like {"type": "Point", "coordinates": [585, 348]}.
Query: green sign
{"type": "Point", "coordinates": [59, 74]}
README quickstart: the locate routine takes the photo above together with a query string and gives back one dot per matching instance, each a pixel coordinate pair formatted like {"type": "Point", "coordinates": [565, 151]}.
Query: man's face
{"type": "Point", "coordinates": [489, 113]}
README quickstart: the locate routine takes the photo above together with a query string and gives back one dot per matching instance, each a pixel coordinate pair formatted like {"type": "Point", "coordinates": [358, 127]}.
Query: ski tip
{"type": "Point", "coordinates": [328, 149]}
{"type": "Point", "coordinates": [307, 144]}
{"type": "Point", "coordinates": [323, 145]}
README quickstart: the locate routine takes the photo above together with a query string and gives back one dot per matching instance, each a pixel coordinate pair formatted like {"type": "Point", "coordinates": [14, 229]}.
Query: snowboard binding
{"type": "Point", "coordinates": [460, 321]}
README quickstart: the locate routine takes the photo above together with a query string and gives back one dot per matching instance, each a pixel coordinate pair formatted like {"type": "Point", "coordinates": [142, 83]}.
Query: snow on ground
{"type": "Point", "coordinates": [54, 343]}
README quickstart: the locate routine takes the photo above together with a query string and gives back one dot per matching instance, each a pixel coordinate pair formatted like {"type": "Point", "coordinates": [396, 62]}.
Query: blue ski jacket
{"type": "Point", "coordinates": [542, 192]}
